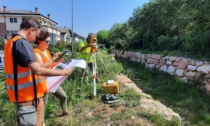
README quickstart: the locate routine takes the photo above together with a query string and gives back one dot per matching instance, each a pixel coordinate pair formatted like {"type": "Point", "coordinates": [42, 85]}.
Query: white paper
{"type": "Point", "coordinates": [55, 81]}
{"type": "Point", "coordinates": [77, 63]}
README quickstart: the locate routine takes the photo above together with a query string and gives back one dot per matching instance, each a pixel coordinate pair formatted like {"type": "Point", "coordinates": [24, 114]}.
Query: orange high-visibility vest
{"type": "Point", "coordinates": [45, 58]}
{"type": "Point", "coordinates": [24, 77]}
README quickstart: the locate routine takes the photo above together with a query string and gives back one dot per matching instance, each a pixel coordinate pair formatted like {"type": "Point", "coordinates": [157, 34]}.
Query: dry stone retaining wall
{"type": "Point", "coordinates": [186, 69]}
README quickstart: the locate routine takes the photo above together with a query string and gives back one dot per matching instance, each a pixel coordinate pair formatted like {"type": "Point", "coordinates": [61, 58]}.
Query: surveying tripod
{"type": "Point", "coordinates": [92, 55]}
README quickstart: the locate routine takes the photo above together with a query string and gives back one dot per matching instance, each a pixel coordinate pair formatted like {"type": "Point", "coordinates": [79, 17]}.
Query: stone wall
{"type": "Point", "coordinates": [186, 69]}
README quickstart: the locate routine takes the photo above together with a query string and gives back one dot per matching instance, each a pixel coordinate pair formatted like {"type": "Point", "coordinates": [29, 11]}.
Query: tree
{"type": "Point", "coordinates": [102, 36]}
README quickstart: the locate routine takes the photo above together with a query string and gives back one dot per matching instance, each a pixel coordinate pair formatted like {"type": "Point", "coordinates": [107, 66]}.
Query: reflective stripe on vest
{"type": "Point", "coordinates": [19, 75]}
{"type": "Point", "coordinates": [25, 85]}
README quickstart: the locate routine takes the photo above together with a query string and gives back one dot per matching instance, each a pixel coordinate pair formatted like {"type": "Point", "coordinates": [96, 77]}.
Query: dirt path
{"type": "Point", "coordinates": [121, 115]}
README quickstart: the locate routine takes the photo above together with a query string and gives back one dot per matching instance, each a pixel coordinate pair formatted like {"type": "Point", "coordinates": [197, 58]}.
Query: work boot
{"type": "Point", "coordinates": [63, 113]}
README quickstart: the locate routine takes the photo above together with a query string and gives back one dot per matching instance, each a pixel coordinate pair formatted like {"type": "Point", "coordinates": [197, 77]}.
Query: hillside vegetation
{"type": "Point", "coordinates": [86, 111]}
{"type": "Point", "coordinates": [166, 26]}
{"type": "Point", "coordinates": [189, 100]}
{"type": "Point", "coordinates": [183, 98]}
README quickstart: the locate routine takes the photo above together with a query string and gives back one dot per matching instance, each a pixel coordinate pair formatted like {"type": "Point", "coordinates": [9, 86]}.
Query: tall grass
{"type": "Point", "coordinates": [189, 100]}
{"type": "Point", "coordinates": [77, 90]}
{"type": "Point", "coordinates": [81, 103]}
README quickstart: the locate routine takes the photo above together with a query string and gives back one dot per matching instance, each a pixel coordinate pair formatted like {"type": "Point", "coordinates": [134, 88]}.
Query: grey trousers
{"type": "Point", "coordinates": [61, 95]}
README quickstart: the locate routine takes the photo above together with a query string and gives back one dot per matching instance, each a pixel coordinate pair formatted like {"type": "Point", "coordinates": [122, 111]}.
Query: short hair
{"type": "Point", "coordinates": [30, 22]}
{"type": "Point", "coordinates": [89, 35]}
{"type": "Point", "coordinates": [44, 34]}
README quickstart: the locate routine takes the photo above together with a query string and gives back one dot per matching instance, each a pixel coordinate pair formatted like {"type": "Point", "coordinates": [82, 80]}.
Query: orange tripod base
{"type": "Point", "coordinates": [94, 97]}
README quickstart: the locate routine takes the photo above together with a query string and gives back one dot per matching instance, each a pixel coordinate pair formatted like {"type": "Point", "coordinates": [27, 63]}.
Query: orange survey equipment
{"type": "Point", "coordinates": [24, 77]}
{"type": "Point", "coordinates": [92, 39]}
{"type": "Point", "coordinates": [111, 87]}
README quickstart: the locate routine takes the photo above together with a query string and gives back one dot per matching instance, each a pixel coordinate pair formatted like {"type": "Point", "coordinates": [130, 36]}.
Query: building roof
{"type": "Point", "coordinates": [63, 29]}
{"type": "Point", "coordinates": [18, 11]}
{"type": "Point", "coordinates": [24, 12]}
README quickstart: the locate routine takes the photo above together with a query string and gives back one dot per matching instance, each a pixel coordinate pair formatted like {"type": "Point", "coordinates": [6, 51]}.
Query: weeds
{"type": "Point", "coordinates": [130, 95]}
{"type": "Point", "coordinates": [124, 114]}
{"type": "Point", "coordinates": [189, 100]}
{"type": "Point", "coordinates": [158, 119]}
{"type": "Point", "coordinates": [84, 109]}
{"type": "Point", "coordinates": [115, 105]}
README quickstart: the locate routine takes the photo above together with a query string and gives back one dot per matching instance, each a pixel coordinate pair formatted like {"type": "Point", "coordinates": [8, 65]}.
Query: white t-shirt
{"type": "Point", "coordinates": [40, 58]}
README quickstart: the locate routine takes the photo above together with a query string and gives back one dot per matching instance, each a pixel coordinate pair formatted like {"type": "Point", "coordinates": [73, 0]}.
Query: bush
{"type": "Point", "coordinates": [165, 43]}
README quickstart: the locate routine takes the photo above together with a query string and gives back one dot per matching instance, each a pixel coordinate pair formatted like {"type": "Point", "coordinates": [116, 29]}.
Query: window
{"type": "Point", "coordinates": [13, 20]}
{"type": "Point", "coordinates": [8, 32]}
{"type": "Point", "coordinates": [12, 32]}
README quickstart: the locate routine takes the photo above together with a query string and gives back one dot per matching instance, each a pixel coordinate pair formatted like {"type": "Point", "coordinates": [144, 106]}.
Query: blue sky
{"type": "Point", "coordinates": [89, 16]}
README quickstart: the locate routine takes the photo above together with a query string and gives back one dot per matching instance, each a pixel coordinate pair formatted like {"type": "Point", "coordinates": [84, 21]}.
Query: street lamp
{"type": "Point", "coordinates": [72, 32]}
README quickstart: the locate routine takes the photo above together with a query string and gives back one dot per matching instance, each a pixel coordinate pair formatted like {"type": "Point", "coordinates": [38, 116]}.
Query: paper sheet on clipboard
{"type": "Point", "coordinates": [55, 81]}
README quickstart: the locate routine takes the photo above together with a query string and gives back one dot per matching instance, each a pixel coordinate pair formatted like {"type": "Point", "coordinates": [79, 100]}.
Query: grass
{"type": "Point", "coordinates": [189, 100]}
{"type": "Point", "coordinates": [158, 119]}
{"type": "Point", "coordinates": [124, 114]}
{"type": "Point", "coordinates": [84, 109]}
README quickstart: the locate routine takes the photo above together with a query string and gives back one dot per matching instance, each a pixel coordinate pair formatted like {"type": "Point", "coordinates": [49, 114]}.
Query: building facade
{"type": "Point", "coordinates": [65, 34]}
{"type": "Point", "coordinates": [10, 21]}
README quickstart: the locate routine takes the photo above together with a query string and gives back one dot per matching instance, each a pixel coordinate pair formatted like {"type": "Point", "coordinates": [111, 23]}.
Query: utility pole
{"type": "Point", "coordinates": [72, 32]}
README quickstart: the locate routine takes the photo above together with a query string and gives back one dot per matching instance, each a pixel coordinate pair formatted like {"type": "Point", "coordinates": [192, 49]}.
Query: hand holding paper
{"type": "Point", "coordinates": [68, 71]}
{"type": "Point", "coordinates": [54, 82]}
